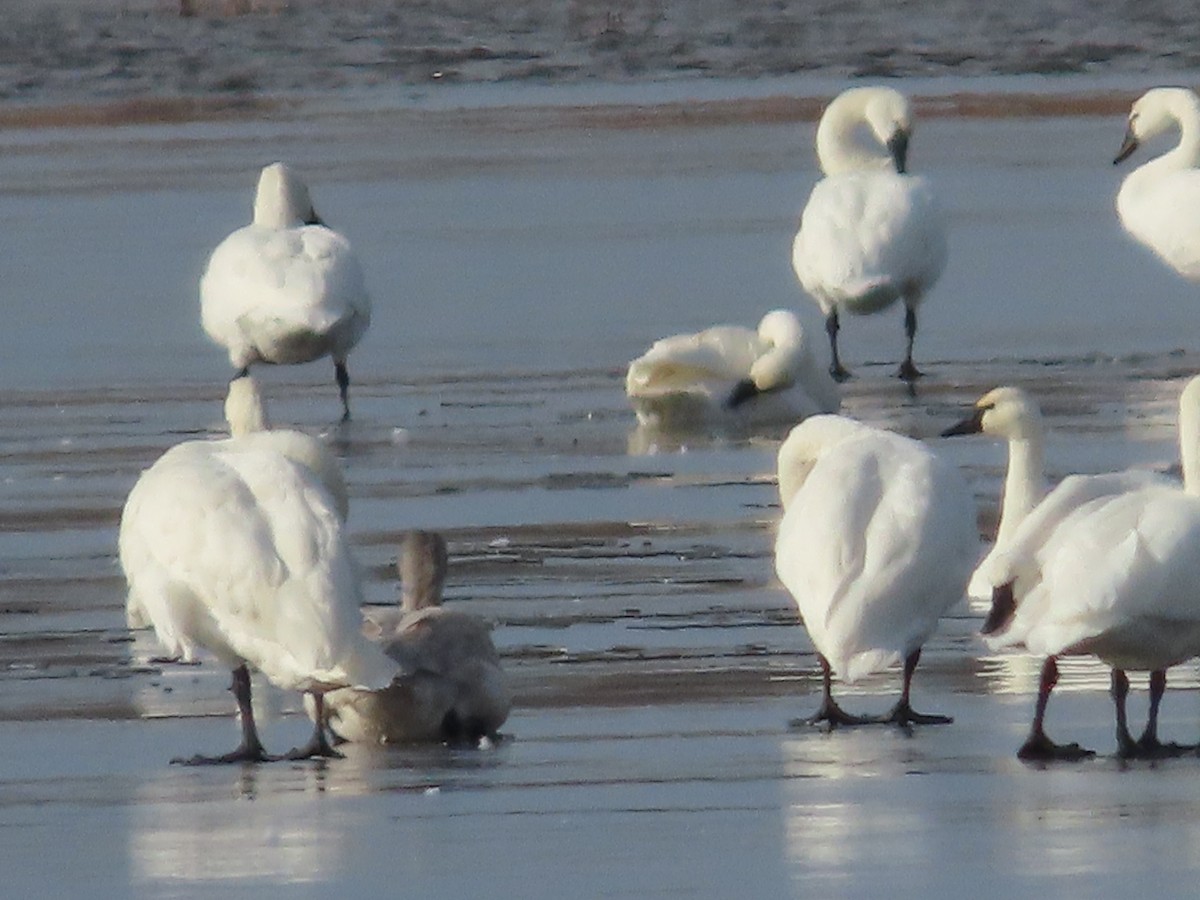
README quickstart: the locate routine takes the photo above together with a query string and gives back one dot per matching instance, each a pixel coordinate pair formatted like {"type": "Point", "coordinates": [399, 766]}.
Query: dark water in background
{"type": "Point", "coordinates": [55, 51]}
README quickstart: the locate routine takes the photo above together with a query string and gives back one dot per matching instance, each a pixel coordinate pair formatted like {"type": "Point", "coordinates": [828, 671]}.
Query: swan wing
{"type": "Point", "coordinates": [1018, 560]}
{"type": "Point", "coordinates": [711, 359]}
{"type": "Point", "coordinates": [284, 295]}
{"type": "Point", "coordinates": [1119, 579]}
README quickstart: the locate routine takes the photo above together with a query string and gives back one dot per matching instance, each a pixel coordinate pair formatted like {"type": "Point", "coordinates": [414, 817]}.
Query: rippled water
{"type": "Point", "coordinates": [518, 259]}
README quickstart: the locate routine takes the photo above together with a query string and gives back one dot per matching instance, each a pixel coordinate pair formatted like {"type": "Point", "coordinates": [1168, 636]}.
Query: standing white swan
{"type": "Point", "coordinates": [237, 547]}
{"type": "Point", "coordinates": [453, 688]}
{"type": "Point", "coordinates": [1112, 576]}
{"type": "Point", "coordinates": [730, 376]}
{"type": "Point", "coordinates": [285, 289]}
{"type": "Point", "coordinates": [877, 540]}
{"type": "Point", "coordinates": [1010, 413]}
{"type": "Point", "coordinates": [1159, 202]}
{"type": "Point", "coordinates": [870, 233]}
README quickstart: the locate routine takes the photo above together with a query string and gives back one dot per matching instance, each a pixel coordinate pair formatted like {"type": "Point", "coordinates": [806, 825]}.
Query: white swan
{"type": "Point", "coordinates": [877, 540]}
{"type": "Point", "coordinates": [285, 289]}
{"type": "Point", "coordinates": [870, 233]}
{"type": "Point", "coordinates": [1114, 577]}
{"type": "Point", "coordinates": [237, 547]}
{"type": "Point", "coordinates": [453, 689]}
{"type": "Point", "coordinates": [729, 377]}
{"type": "Point", "coordinates": [1159, 202]}
{"type": "Point", "coordinates": [1010, 413]}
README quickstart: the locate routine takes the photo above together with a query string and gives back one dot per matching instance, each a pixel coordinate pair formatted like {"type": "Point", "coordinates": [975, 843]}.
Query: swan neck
{"type": "Point", "coordinates": [245, 411]}
{"type": "Point", "coordinates": [1024, 484]}
{"type": "Point", "coordinates": [838, 147]}
{"type": "Point", "coordinates": [423, 563]}
{"type": "Point", "coordinates": [1189, 447]}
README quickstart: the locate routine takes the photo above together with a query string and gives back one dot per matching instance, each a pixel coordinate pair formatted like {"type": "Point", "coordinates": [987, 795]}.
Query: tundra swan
{"type": "Point", "coordinates": [237, 547]}
{"type": "Point", "coordinates": [453, 689]}
{"type": "Point", "coordinates": [285, 289]}
{"type": "Point", "coordinates": [870, 233]}
{"type": "Point", "coordinates": [729, 377]}
{"type": "Point", "coordinates": [1113, 576]}
{"type": "Point", "coordinates": [1158, 201]}
{"type": "Point", "coordinates": [876, 542]}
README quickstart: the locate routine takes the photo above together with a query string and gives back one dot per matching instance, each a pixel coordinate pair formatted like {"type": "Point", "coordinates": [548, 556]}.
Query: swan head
{"type": "Point", "coordinates": [422, 568]}
{"type": "Point", "coordinates": [1006, 412]}
{"type": "Point", "coordinates": [780, 330]}
{"type": "Point", "coordinates": [885, 111]}
{"type": "Point", "coordinates": [245, 411]}
{"type": "Point", "coordinates": [1155, 112]}
{"type": "Point", "coordinates": [282, 199]}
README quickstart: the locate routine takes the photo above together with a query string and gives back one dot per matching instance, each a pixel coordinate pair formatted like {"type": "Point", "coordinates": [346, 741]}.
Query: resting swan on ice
{"type": "Point", "coordinates": [731, 377]}
{"type": "Point", "coordinates": [1107, 566]}
{"type": "Point", "coordinates": [237, 547]}
{"type": "Point", "coordinates": [285, 289]}
{"type": "Point", "coordinates": [1159, 202]}
{"type": "Point", "coordinates": [871, 233]}
{"type": "Point", "coordinates": [453, 689]}
{"type": "Point", "coordinates": [876, 542]}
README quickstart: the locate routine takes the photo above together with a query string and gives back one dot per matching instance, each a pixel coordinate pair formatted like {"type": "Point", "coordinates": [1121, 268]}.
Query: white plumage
{"type": "Point", "coordinates": [453, 688]}
{"type": "Point", "coordinates": [1107, 566]}
{"type": "Point", "coordinates": [236, 547]}
{"type": "Point", "coordinates": [731, 377]}
{"type": "Point", "coordinates": [876, 543]}
{"type": "Point", "coordinates": [1159, 202]}
{"type": "Point", "coordinates": [1010, 413]}
{"type": "Point", "coordinates": [285, 289]}
{"type": "Point", "coordinates": [870, 233]}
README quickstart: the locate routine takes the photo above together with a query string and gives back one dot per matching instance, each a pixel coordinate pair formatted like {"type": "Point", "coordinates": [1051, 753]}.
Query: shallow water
{"type": "Point", "coordinates": [518, 258]}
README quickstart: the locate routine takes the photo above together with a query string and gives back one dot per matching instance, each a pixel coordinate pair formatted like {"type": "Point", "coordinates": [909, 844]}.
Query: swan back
{"type": "Point", "coordinates": [246, 415]}
{"type": "Point", "coordinates": [887, 116]}
{"type": "Point", "coordinates": [282, 199]}
{"type": "Point", "coordinates": [1117, 579]}
{"type": "Point", "coordinates": [876, 542]}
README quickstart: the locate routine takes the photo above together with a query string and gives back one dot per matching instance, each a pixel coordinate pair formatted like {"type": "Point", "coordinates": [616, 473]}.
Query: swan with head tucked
{"type": "Point", "coordinates": [1107, 566]}
{"type": "Point", "coordinates": [285, 289]}
{"type": "Point", "coordinates": [729, 376]}
{"type": "Point", "coordinates": [871, 233]}
{"type": "Point", "coordinates": [453, 689]}
{"type": "Point", "coordinates": [237, 547]}
{"type": "Point", "coordinates": [1159, 202]}
{"type": "Point", "coordinates": [876, 542]}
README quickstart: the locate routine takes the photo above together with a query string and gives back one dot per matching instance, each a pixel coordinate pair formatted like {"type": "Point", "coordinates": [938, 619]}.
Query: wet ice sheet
{"type": "Point", "coordinates": [655, 658]}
